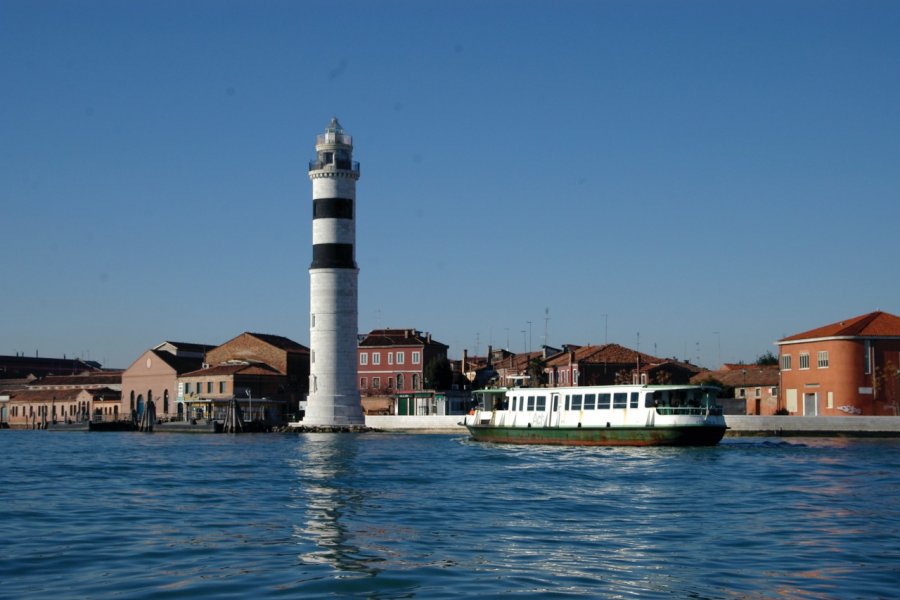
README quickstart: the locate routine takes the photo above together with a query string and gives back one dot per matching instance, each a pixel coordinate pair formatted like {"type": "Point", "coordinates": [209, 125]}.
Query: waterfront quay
{"type": "Point", "coordinates": [738, 425]}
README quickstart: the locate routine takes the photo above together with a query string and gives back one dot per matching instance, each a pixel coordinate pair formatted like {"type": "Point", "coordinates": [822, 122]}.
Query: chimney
{"type": "Point", "coordinates": [464, 359]}
{"type": "Point", "coordinates": [490, 356]}
{"type": "Point", "coordinates": [428, 338]}
{"type": "Point", "coordinates": [571, 357]}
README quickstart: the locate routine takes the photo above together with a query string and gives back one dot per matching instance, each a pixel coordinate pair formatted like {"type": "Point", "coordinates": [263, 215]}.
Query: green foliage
{"type": "Point", "coordinates": [438, 374]}
{"type": "Point", "coordinates": [767, 359]}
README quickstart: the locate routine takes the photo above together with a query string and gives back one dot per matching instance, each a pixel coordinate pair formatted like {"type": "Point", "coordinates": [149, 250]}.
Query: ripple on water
{"type": "Point", "coordinates": [398, 516]}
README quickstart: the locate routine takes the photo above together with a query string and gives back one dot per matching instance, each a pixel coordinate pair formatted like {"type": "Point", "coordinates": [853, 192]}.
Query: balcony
{"type": "Point", "coordinates": [332, 137]}
{"type": "Point", "coordinates": [338, 165]}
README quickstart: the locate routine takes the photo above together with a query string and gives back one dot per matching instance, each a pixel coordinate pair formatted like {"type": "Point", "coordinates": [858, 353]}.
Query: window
{"type": "Point", "coordinates": [209, 387]}
{"type": "Point", "coordinates": [542, 403]}
{"type": "Point", "coordinates": [603, 400]}
{"type": "Point", "coordinates": [415, 381]}
{"type": "Point", "coordinates": [530, 402]}
{"type": "Point", "coordinates": [757, 392]}
{"type": "Point", "coordinates": [590, 401]}
{"type": "Point", "coordinates": [390, 382]}
{"type": "Point", "coordinates": [363, 382]}
{"type": "Point", "coordinates": [742, 393]}
{"type": "Point", "coordinates": [576, 402]}
{"type": "Point", "coordinates": [376, 358]}
{"type": "Point", "coordinates": [400, 358]}
{"type": "Point", "coordinates": [648, 401]}
{"type": "Point", "coordinates": [785, 362]}
{"type": "Point", "coordinates": [376, 382]}
{"type": "Point", "coordinates": [635, 398]}
{"type": "Point", "coordinates": [416, 358]}
{"type": "Point", "coordinates": [620, 400]}
{"type": "Point", "coordinates": [804, 360]}
{"type": "Point", "coordinates": [221, 387]}
{"type": "Point", "coordinates": [867, 358]}
{"type": "Point", "coordinates": [187, 390]}
{"type": "Point", "coordinates": [823, 359]}
{"type": "Point", "coordinates": [363, 358]}
{"type": "Point", "coordinates": [574, 376]}
{"type": "Point", "coordinates": [390, 358]}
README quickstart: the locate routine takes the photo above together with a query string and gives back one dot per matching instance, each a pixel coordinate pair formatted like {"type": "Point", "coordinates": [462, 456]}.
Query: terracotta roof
{"type": "Point", "coordinates": [181, 364]}
{"type": "Point", "coordinates": [67, 395]}
{"type": "Point", "coordinates": [517, 362]}
{"type": "Point", "coordinates": [280, 341]}
{"type": "Point", "coordinates": [105, 394]}
{"type": "Point", "coordinates": [605, 354]}
{"type": "Point", "coordinates": [749, 375]}
{"type": "Point", "coordinates": [231, 369]}
{"type": "Point", "coordinates": [398, 337]}
{"type": "Point", "coordinates": [88, 379]}
{"type": "Point", "coordinates": [187, 346]}
{"type": "Point", "coordinates": [873, 324]}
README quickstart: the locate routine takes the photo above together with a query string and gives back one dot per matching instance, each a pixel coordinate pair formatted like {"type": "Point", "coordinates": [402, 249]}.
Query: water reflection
{"type": "Point", "coordinates": [328, 498]}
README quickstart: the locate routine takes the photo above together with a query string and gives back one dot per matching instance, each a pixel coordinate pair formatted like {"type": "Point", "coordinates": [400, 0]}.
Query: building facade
{"type": "Point", "coordinates": [851, 367]}
{"type": "Point", "coordinates": [154, 377]}
{"type": "Point", "coordinates": [394, 360]}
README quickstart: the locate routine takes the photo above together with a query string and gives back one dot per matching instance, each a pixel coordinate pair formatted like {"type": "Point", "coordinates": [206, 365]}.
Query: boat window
{"type": "Point", "coordinates": [648, 401]}
{"type": "Point", "coordinates": [567, 402]}
{"type": "Point", "coordinates": [620, 400]}
{"type": "Point", "coordinates": [590, 401]}
{"type": "Point", "coordinates": [635, 398]}
{"type": "Point", "coordinates": [576, 401]}
{"type": "Point", "coordinates": [603, 401]}
{"type": "Point", "coordinates": [555, 403]}
{"type": "Point", "coordinates": [542, 403]}
{"type": "Point", "coordinates": [530, 402]}
{"type": "Point", "coordinates": [512, 404]}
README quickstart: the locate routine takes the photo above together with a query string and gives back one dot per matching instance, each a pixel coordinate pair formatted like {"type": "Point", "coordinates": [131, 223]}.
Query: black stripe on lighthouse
{"type": "Point", "coordinates": [333, 256]}
{"type": "Point", "coordinates": [332, 208]}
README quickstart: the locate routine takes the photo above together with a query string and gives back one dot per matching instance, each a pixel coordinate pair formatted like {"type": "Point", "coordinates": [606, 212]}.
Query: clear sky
{"type": "Point", "coordinates": [699, 178]}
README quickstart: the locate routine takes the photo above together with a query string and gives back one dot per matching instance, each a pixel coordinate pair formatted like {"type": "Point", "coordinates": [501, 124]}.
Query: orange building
{"type": "Point", "coordinates": [851, 367]}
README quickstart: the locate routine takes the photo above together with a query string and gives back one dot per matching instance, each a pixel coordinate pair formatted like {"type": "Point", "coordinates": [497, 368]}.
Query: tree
{"type": "Point", "coordinates": [767, 359]}
{"type": "Point", "coordinates": [536, 374]}
{"type": "Point", "coordinates": [438, 374]}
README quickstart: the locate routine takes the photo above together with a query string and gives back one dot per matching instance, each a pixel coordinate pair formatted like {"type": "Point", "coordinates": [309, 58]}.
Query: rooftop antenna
{"type": "Point", "coordinates": [547, 326]}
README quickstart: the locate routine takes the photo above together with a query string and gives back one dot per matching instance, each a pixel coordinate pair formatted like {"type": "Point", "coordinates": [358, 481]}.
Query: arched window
{"type": "Point", "coordinates": [140, 405]}
{"type": "Point", "coordinates": [166, 401]}
{"type": "Point", "coordinates": [399, 381]}
{"type": "Point", "coordinates": [415, 381]}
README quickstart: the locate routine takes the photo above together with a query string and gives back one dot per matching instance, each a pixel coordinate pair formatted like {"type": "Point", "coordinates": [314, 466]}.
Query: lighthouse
{"type": "Point", "coordinates": [333, 274]}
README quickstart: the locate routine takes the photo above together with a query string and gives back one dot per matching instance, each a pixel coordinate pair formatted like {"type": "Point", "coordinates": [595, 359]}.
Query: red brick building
{"type": "Point", "coordinates": [394, 360]}
{"type": "Point", "coordinates": [851, 367]}
{"type": "Point", "coordinates": [288, 360]}
{"type": "Point", "coordinates": [755, 388]}
{"type": "Point", "coordinates": [613, 364]}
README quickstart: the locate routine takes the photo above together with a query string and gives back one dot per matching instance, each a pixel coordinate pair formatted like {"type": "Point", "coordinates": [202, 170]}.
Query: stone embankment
{"type": "Point", "coordinates": [792, 426]}
{"type": "Point", "coordinates": [739, 425]}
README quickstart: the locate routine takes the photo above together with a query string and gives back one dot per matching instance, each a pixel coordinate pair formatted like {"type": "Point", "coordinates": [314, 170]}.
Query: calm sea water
{"type": "Point", "coordinates": [98, 515]}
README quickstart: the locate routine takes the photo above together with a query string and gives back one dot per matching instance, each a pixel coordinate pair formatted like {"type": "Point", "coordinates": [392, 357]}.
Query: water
{"type": "Point", "coordinates": [99, 515]}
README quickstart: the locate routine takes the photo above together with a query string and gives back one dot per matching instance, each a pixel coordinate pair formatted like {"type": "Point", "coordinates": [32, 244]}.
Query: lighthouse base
{"type": "Point", "coordinates": [333, 410]}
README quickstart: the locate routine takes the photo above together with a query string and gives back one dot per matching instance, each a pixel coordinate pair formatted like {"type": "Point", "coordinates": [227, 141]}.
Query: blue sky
{"type": "Point", "coordinates": [698, 178]}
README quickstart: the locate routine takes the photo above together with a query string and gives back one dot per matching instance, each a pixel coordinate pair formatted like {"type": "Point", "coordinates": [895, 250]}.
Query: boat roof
{"type": "Point", "coordinates": [643, 386]}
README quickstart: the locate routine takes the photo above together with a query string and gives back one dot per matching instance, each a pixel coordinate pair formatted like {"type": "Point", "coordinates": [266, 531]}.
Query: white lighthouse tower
{"type": "Point", "coordinates": [333, 395]}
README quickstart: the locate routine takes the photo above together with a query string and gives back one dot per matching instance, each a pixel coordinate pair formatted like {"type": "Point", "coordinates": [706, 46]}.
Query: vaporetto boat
{"type": "Point", "coordinates": [616, 415]}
